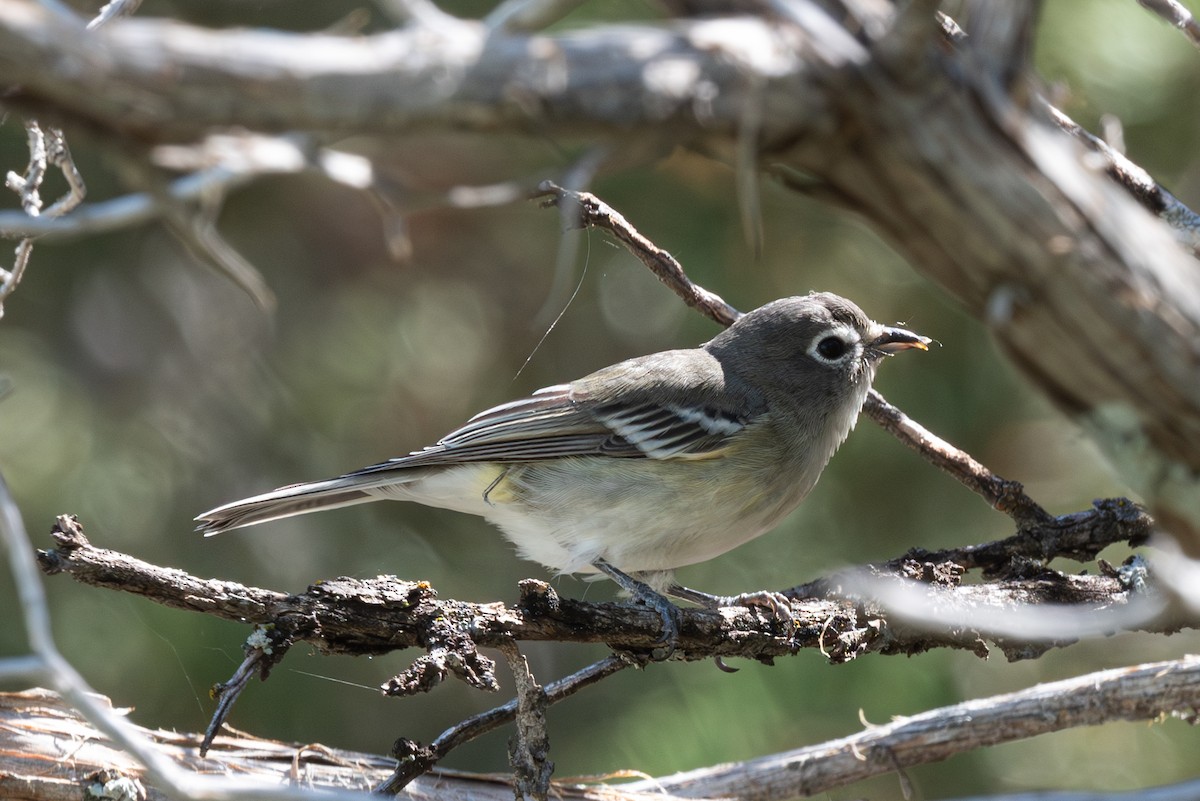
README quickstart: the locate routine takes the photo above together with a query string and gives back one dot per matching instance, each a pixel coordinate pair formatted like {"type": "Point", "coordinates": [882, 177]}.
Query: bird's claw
{"type": "Point", "coordinates": [671, 616]}
{"type": "Point", "coordinates": [643, 593]}
{"type": "Point", "coordinates": [776, 605]}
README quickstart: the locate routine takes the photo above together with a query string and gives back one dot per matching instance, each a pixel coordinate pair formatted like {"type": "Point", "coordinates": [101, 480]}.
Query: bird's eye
{"type": "Point", "coordinates": [831, 348]}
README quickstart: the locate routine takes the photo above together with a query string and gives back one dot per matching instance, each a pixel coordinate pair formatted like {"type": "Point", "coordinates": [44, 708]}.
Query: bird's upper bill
{"type": "Point", "coordinates": [894, 340]}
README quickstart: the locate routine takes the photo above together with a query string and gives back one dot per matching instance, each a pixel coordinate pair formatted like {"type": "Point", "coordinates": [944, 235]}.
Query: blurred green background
{"type": "Point", "coordinates": [145, 389]}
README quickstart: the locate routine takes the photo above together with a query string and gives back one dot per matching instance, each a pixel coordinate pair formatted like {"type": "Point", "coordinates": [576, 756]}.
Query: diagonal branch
{"type": "Point", "coordinates": [1145, 692]}
{"type": "Point", "coordinates": [415, 759]}
{"type": "Point", "coordinates": [1007, 496]}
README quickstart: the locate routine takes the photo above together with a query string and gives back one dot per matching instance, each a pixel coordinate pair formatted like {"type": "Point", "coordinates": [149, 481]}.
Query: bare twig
{"type": "Point", "coordinates": [120, 212]}
{"type": "Point", "coordinates": [59, 155]}
{"type": "Point", "coordinates": [1007, 496]}
{"type": "Point", "coordinates": [9, 279]}
{"type": "Point", "coordinates": [262, 652]}
{"type": "Point", "coordinates": [46, 664]}
{"type": "Point", "coordinates": [589, 211]}
{"type": "Point", "coordinates": [28, 186]}
{"type": "Point", "coordinates": [529, 747]}
{"type": "Point", "coordinates": [1004, 495]}
{"type": "Point", "coordinates": [195, 228]}
{"type": "Point", "coordinates": [1080, 536]}
{"type": "Point", "coordinates": [1184, 791]}
{"type": "Point", "coordinates": [1152, 195]}
{"type": "Point", "coordinates": [563, 289]}
{"type": "Point", "coordinates": [37, 730]}
{"type": "Point", "coordinates": [415, 759]}
{"type": "Point", "coordinates": [1145, 692]}
{"type": "Point", "coordinates": [199, 234]}
{"type": "Point", "coordinates": [1174, 14]}
{"type": "Point", "coordinates": [46, 148]}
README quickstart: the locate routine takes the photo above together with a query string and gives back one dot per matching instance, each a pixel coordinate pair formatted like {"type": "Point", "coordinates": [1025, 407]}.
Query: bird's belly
{"type": "Point", "coordinates": [636, 515]}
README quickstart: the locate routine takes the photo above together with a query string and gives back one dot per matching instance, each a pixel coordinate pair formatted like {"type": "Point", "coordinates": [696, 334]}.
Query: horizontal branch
{"type": "Point", "coordinates": [360, 616]}
{"type": "Point", "coordinates": [160, 79]}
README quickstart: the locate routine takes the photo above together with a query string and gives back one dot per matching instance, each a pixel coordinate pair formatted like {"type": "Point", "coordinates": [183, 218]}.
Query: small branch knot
{"type": "Point", "coordinates": [538, 598]}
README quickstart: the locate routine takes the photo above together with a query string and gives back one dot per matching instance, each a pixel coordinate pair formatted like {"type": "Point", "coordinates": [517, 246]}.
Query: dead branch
{"type": "Point", "coordinates": [36, 728]}
{"type": "Point", "coordinates": [1135, 693]}
{"type": "Point", "coordinates": [369, 617]}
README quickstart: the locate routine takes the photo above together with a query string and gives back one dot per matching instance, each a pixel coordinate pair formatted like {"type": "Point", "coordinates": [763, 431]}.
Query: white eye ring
{"type": "Point", "coordinates": [825, 346]}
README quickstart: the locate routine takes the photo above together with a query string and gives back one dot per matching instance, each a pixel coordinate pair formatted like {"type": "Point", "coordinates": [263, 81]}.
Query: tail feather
{"type": "Point", "coordinates": [281, 503]}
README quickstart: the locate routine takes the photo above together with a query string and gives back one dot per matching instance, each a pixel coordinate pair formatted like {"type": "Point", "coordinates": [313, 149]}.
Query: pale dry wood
{"type": "Point", "coordinates": [1092, 297]}
{"type": "Point", "coordinates": [48, 752]}
{"type": "Point", "coordinates": [1145, 692]}
{"type": "Point", "coordinates": [643, 80]}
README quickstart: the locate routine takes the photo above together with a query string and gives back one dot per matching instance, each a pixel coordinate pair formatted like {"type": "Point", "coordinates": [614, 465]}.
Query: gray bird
{"type": "Point", "coordinates": [648, 465]}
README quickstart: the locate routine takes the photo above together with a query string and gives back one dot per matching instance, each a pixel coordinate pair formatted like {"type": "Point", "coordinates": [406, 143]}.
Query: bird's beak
{"type": "Point", "coordinates": [894, 340]}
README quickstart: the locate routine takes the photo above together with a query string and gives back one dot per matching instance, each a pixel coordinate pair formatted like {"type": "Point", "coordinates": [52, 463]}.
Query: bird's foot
{"type": "Point", "coordinates": [646, 595]}
{"type": "Point", "coordinates": [776, 605]}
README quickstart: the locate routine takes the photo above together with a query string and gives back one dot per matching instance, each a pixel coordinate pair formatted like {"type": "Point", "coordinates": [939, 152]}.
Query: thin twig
{"type": "Point", "coordinates": [1007, 496]}
{"type": "Point", "coordinates": [1184, 791]}
{"type": "Point", "coordinates": [58, 154]}
{"type": "Point", "coordinates": [9, 279]}
{"type": "Point", "coordinates": [261, 654]}
{"type": "Point", "coordinates": [48, 748]}
{"type": "Point", "coordinates": [1080, 536]}
{"type": "Point", "coordinates": [1175, 15]}
{"type": "Point", "coordinates": [195, 229]}
{"type": "Point", "coordinates": [1135, 180]}
{"type": "Point", "coordinates": [588, 211]}
{"type": "Point", "coordinates": [50, 667]}
{"type": "Point", "coordinates": [1003, 495]}
{"type": "Point", "coordinates": [416, 759]}
{"type": "Point", "coordinates": [563, 287]}
{"type": "Point", "coordinates": [28, 186]}
{"type": "Point", "coordinates": [46, 148]}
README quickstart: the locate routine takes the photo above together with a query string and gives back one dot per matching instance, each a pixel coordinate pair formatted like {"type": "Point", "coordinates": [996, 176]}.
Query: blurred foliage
{"type": "Point", "coordinates": [147, 389]}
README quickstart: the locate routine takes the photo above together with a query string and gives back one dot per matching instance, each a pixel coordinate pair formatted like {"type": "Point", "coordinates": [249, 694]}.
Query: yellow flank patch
{"type": "Point", "coordinates": [499, 487]}
{"type": "Point", "coordinates": [718, 453]}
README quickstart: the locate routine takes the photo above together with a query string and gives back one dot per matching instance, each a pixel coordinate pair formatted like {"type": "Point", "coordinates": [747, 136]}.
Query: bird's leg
{"type": "Point", "coordinates": [645, 594]}
{"type": "Point", "coordinates": [775, 604]}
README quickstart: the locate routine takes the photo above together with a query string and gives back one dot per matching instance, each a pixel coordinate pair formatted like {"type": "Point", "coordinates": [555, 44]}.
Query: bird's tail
{"type": "Point", "coordinates": [287, 501]}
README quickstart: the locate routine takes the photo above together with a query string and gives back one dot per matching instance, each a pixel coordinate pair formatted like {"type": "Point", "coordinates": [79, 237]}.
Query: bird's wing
{"type": "Point", "coordinates": [563, 421]}
{"type": "Point", "coordinates": [688, 412]}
